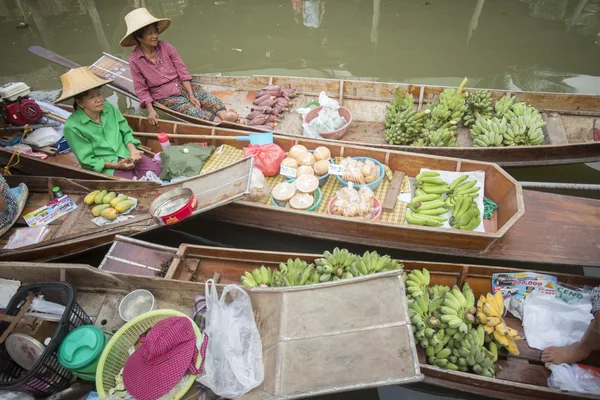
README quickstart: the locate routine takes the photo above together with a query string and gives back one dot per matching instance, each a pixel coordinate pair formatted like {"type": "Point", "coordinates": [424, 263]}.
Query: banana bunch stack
{"type": "Point", "coordinates": [472, 353]}
{"type": "Point", "coordinates": [459, 187]}
{"type": "Point", "coordinates": [260, 277]}
{"type": "Point", "coordinates": [441, 355]}
{"type": "Point", "coordinates": [504, 105]}
{"type": "Point", "coordinates": [458, 311]}
{"type": "Point", "coordinates": [525, 127]}
{"type": "Point", "coordinates": [297, 273]}
{"type": "Point", "coordinates": [449, 109]}
{"type": "Point", "coordinates": [489, 132]}
{"type": "Point", "coordinates": [465, 214]}
{"type": "Point", "coordinates": [335, 266]}
{"type": "Point", "coordinates": [421, 312]}
{"type": "Point", "coordinates": [372, 263]}
{"type": "Point", "coordinates": [490, 310]}
{"type": "Point", "coordinates": [398, 105]}
{"type": "Point", "coordinates": [427, 207]}
{"type": "Point", "coordinates": [406, 127]}
{"type": "Point", "coordinates": [440, 137]}
{"type": "Point", "coordinates": [438, 290]}
{"type": "Point", "coordinates": [479, 105]}
{"type": "Point", "coordinates": [417, 283]}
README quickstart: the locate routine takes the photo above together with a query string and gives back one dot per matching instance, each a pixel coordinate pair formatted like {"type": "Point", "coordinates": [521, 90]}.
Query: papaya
{"type": "Point", "coordinates": [89, 199]}
{"type": "Point", "coordinates": [117, 200]}
{"type": "Point", "coordinates": [100, 197]}
{"type": "Point", "coordinates": [109, 197]}
{"type": "Point", "coordinates": [124, 206]}
{"type": "Point", "coordinates": [96, 211]}
{"type": "Point", "coordinates": [110, 213]}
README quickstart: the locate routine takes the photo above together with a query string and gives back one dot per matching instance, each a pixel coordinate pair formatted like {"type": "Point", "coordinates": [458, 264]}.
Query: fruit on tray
{"type": "Point", "coordinates": [109, 205]}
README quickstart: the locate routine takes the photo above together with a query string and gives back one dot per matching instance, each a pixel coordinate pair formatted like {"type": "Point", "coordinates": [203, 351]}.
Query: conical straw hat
{"type": "Point", "coordinates": [138, 19]}
{"type": "Point", "coordinates": [78, 81]}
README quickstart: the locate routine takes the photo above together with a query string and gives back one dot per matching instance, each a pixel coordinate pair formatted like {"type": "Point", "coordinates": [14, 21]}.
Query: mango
{"type": "Point", "coordinates": [124, 206]}
{"type": "Point", "coordinates": [100, 197]}
{"type": "Point", "coordinates": [110, 213]}
{"type": "Point", "coordinates": [117, 200]}
{"type": "Point", "coordinates": [96, 211]}
{"type": "Point", "coordinates": [109, 197]}
{"type": "Point", "coordinates": [89, 199]}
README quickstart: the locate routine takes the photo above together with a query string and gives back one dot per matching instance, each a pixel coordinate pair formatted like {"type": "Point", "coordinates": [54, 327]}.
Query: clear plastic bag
{"type": "Point", "coordinates": [259, 187]}
{"type": "Point", "coordinates": [233, 364]}
{"type": "Point", "coordinates": [42, 137]}
{"type": "Point", "coordinates": [27, 236]}
{"type": "Point", "coordinates": [328, 120]}
{"type": "Point", "coordinates": [575, 377]}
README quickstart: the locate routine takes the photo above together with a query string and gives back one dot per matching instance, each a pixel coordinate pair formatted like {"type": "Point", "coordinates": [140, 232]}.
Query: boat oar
{"type": "Point", "coordinates": [7, 129]}
{"type": "Point", "coordinates": [559, 185]}
{"type": "Point", "coordinates": [253, 138]}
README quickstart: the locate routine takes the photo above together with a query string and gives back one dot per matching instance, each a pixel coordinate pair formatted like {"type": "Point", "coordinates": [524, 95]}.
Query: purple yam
{"type": "Point", "coordinates": [263, 109]}
{"type": "Point", "coordinates": [254, 114]}
{"type": "Point", "coordinates": [260, 120]}
{"type": "Point", "coordinates": [271, 87]}
{"type": "Point", "coordinates": [268, 103]}
{"type": "Point", "coordinates": [260, 99]}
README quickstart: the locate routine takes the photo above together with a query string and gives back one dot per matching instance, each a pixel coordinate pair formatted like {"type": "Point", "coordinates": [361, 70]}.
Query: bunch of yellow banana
{"type": "Point", "coordinates": [490, 312]}
{"type": "Point", "coordinates": [489, 132]}
{"type": "Point", "coordinates": [260, 277]}
{"type": "Point", "coordinates": [336, 265]}
{"type": "Point", "coordinates": [479, 105]}
{"type": "Point", "coordinates": [458, 311]}
{"type": "Point", "coordinates": [416, 282]}
{"type": "Point", "coordinates": [427, 207]}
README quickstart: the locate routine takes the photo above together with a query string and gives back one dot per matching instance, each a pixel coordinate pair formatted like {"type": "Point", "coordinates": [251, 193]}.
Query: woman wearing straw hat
{"type": "Point", "coordinates": [97, 131]}
{"type": "Point", "coordinates": [160, 75]}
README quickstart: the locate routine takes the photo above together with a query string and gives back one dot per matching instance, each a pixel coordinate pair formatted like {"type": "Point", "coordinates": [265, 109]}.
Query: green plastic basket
{"type": "Point", "coordinates": [116, 353]}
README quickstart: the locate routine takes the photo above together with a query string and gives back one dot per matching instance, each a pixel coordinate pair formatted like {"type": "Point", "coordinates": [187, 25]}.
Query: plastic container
{"type": "Point", "coordinates": [373, 185]}
{"type": "Point", "coordinates": [81, 349]}
{"type": "Point", "coordinates": [136, 303]}
{"type": "Point", "coordinates": [57, 192]}
{"type": "Point", "coordinates": [343, 111]}
{"type": "Point", "coordinates": [116, 352]}
{"type": "Point", "coordinates": [378, 206]}
{"type": "Point", "coordinates": [163, 139]}
{"type": "Point", "coordinates": [47, 376]}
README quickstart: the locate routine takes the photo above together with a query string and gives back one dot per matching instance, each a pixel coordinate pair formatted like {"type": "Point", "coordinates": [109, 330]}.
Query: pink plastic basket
{"type": "Point", "coordinates": [378, 207]}
{"type": "Point", "coordinates": [343, 111]}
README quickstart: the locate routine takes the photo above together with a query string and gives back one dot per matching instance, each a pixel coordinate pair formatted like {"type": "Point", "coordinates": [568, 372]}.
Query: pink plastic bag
{"type": "Point", "coordinates": [267, 157]}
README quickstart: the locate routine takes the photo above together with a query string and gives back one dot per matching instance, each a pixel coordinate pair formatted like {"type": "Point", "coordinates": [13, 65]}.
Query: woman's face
{"type": "Point", "coordinates": [150, 36]}
{"type": "Point", "coordinates": [93, 100]}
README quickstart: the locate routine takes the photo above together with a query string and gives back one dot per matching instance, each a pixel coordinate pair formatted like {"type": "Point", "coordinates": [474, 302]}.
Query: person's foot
{"type": "Point", "coordinates": [231, 116]}
{"type": "Point", "coordinates": [565, 354]}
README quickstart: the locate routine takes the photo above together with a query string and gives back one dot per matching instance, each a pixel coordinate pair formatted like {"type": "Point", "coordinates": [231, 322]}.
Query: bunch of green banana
{"type": "Point", "coordinates": [260, 277]}
{"type": "Point", "coordinates": [427, 207]}
{"type": "Point", "coordinates": [504, 105]}
{"type": "Point", "coordinates": [524, 131]}
{"type": "Point", "coordinates": [422, 315]}
{"type": "Point", "coordinates": [448, 110]}
{"type": "Point", "coordinates": [461, 187]}
{"type": "Point", "coordinates": [371, 263]}
{"type": "Point", "coordinates": [399, 104]}
{"type": "Point", "coordinates": [489, 132]}
{"type": "Point", "coordinates": [417, 282]}
{"type": "Point", "coordinates": [472, 353]}
{"type": "Point", "coordinates": [438, 290]}
{"type": "Point", "coordinates": [440, 137]}
{"type": "Point", "coordinates": [465, 214]}
{"type": "Point", "coordinates": [406, 127]}
{"type": "Point", "coordinates": [335, 266]}
{"type": "Point", "coordinates": [458, 311]}
{"type": "Point", "coordinates": [296, 272]}
{"type": "Point", "coordinates": [479, 105]}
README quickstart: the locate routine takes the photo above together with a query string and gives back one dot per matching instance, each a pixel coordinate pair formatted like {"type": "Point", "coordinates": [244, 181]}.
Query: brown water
{"type": "Point", "coordinates": [542, 45]}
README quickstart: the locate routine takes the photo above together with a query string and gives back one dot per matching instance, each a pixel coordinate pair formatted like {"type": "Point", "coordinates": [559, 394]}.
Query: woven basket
{"type": "Point", "coordinates": [116, 353]}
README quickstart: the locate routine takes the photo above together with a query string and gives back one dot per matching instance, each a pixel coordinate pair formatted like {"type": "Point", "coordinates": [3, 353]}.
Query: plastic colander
{"type": "Point", "coordinates": [116, 352]}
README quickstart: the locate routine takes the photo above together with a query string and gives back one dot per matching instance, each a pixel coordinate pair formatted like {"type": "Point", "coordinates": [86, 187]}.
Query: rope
{"type": "Point", "coordinates": [488, 208]}
{"type": "Point", "coordinates": [6, 169]}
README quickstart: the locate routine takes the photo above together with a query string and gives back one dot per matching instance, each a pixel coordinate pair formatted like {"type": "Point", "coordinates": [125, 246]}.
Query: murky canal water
{"type": "Point", "coordinates": [541, 45]}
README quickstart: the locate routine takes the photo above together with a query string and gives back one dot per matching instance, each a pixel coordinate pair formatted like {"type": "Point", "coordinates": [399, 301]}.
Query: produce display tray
{"type": "Point", "coordinates": [225, 155]}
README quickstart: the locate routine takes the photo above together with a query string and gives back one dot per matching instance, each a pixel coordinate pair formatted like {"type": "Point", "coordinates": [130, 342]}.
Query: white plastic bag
{"type": "Point", "coordinates": [259, 187]}
{"type": "Point", "coordinates": [328, 120]}
{"type": "Point", "coordinates": [42, 137]}
{"type": "Point", "coordinates": [233, 364]}
{"type": "Point", "coordinates": [549, 321]}
{"type": "Point", "coordinates": [576, 378]}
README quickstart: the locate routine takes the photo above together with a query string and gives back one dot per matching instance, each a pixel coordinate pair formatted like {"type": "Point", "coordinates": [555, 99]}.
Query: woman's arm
{"type": "Point", "coordinates": [82, 148]}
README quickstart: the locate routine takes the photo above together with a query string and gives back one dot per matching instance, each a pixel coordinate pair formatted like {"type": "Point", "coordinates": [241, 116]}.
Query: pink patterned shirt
{"type": "Point", "coordinates": [157, 81]}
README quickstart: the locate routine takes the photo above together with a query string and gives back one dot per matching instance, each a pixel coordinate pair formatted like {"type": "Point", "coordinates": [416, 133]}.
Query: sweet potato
{"type": "Point", "coordinates": [262, 98]}
{"type": "Point", "coordinates": [271, 87]}
{"type": "Point", "coordinates": [272, 118]}
{"type": "Point", "coordinates": [260, 120]}
{"type": "Point", "coordinates": [283, 101]}
{"type": "Point", "coordinates": [268, 103]}
{"type": "Point", "coordinates": [273, 93]}
{"type": "Point", "coordinates": [254, 114]}
{"type": "Point", "coordinates": [291, 92]}
{"type": "Point", "coordinates": [262, 109]}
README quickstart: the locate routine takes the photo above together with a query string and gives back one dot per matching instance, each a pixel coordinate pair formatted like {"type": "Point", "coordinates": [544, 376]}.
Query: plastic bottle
{"type": "Point", "coordinates": [163, 139]}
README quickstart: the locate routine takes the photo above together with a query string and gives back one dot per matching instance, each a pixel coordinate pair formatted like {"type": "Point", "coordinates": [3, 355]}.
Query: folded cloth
{"type": "Point", "coordinates": [186, 160]}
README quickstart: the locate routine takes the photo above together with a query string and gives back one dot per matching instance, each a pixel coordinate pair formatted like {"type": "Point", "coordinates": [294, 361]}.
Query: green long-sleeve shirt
{"type": "Point", "coordinates": [94, 144]}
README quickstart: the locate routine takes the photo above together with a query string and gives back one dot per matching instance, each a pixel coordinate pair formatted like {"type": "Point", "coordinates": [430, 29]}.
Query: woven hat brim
{"type": "Point", "coordinates": [129, 41]}
{"type": "Point", "coordinates": [64, 97]}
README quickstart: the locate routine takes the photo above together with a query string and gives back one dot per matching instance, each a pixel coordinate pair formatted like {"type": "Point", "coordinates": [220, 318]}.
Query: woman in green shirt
{"type": "Point", "coordinates": [98, 133]}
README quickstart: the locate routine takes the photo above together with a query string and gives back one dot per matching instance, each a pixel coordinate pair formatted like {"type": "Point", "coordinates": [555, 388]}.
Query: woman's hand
{"type": "Point", "coordinates": [153, 117]}
{"type": "Point", "coordinates": [125, 163]}
{"type": "Point", "coordinates": [136, 155]}
{"type": "Point", "coordinates": [195, 101]}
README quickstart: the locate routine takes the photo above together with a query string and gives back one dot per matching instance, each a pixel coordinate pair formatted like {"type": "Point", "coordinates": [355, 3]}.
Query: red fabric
{"type": "Point", "coordinates": [144, 165]}
{"type": "Point", "coordinates": [157, 81]}
{"type": "Point", "coordinates": [167, 353]}
{"type": "Point", "coordinates": [267, 157]}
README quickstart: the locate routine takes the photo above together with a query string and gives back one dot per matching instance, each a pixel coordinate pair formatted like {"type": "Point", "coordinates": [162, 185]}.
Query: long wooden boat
{"type": "Point", "coordinates": [572, 131]}
{"type": "Point", "coordinates": [76, 232]}
{"type": "Point", "coordinates": [529, 227]}
{"type": "Point", "coordinates": [522, 377]}
{"type": "Point", "coordinates": [300, 359]}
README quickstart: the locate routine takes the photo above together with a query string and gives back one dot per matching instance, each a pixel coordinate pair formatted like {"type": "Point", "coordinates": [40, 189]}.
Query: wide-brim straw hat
{"type": "Point", "coordinates": [79, 80]}
{"type": "Point", "coordinates": [138, 19]}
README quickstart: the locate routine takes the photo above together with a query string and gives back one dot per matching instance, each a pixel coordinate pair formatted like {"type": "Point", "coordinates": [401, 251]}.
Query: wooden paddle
{"type": "Point", "coordinates": [391, 195]}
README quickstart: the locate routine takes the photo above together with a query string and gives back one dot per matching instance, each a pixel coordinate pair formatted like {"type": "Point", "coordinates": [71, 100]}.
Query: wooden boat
{"type": "Point", "coordinates": [75, 231]}
{"type": "Point", "coordinates": [572, 131]}
{"type": "Point", "coordinates": [524, 229]}
{"type": "Point", "coordinates": [522, 377]}
{"type": "Point", "coordinates": [300, 360]}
